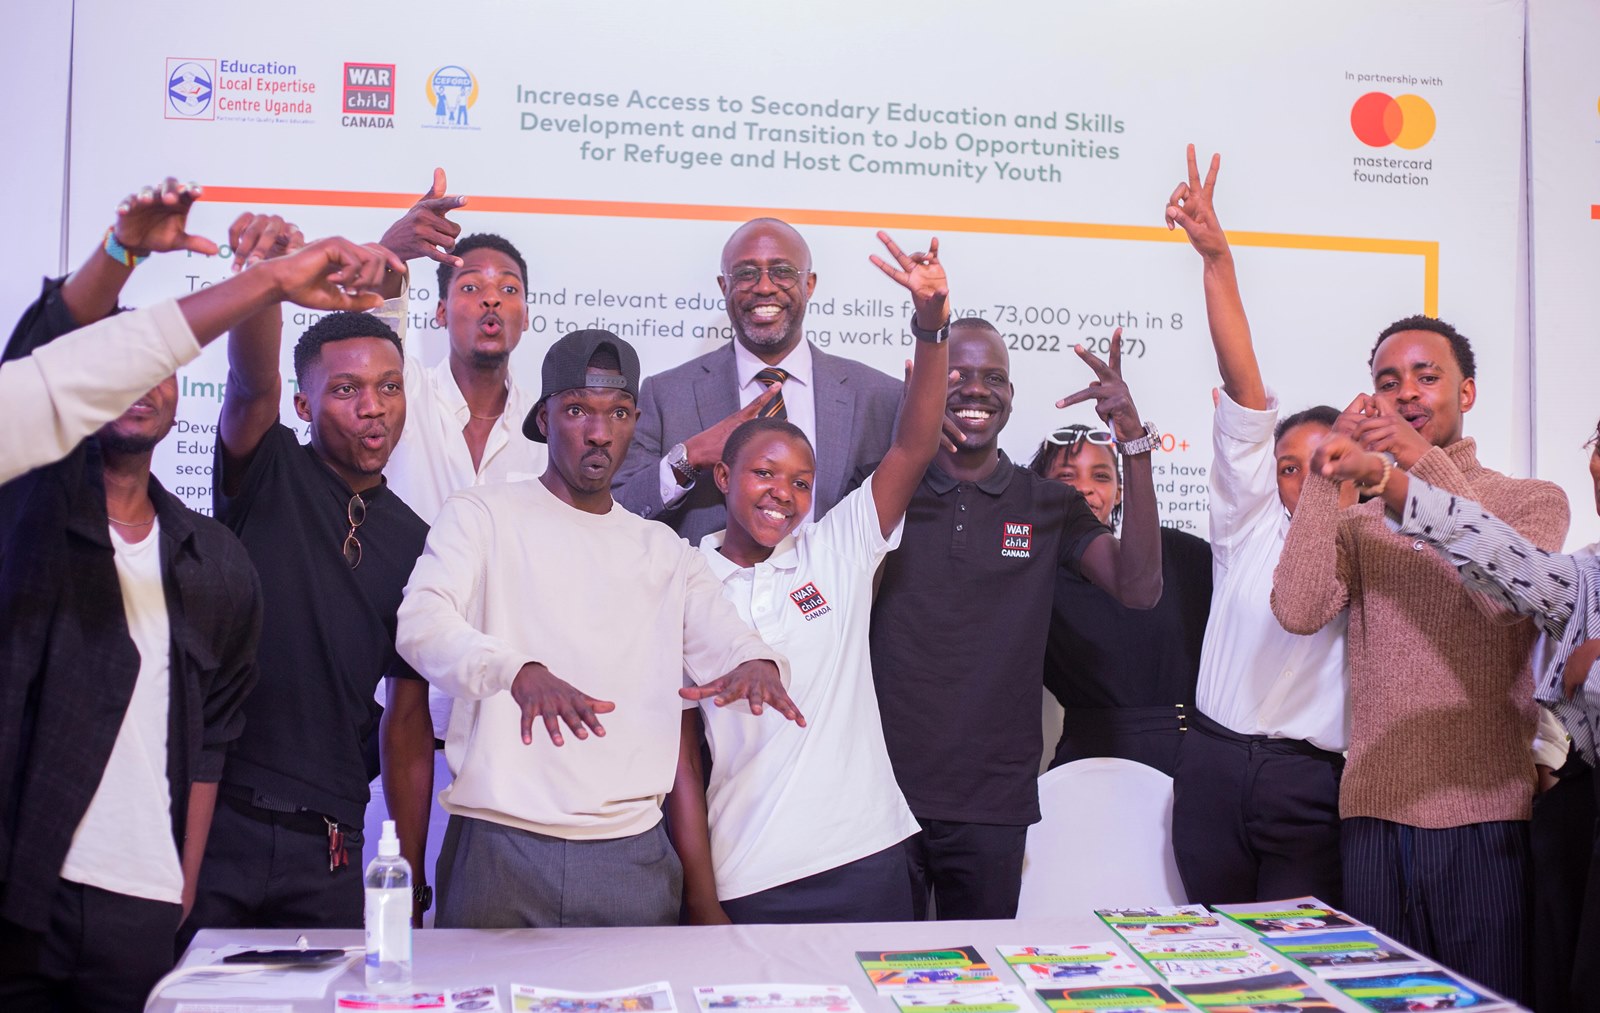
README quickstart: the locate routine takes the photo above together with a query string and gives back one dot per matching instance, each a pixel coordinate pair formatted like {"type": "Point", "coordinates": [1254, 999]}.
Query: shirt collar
{"type": "Point", "coordinates": [785, 556]}
{"type": "Point", "coordinates": [797, 364]}
{"type": "Point", "coordinates": [994, 483]}
{"type": "Point", "coordinates": [449, 394]}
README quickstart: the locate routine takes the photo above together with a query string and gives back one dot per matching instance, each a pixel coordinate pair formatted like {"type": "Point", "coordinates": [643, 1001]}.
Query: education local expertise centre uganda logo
{"type": "Point", "coordinates": [246, 91]}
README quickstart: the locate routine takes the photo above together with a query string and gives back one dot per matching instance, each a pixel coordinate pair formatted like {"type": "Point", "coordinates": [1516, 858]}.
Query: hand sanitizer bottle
{"type": "Point", "coordinates": [388, 915]}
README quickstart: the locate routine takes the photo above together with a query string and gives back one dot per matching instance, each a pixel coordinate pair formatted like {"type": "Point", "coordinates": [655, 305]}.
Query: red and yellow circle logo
{"type": "Point", "coordinates": [1380, 120]}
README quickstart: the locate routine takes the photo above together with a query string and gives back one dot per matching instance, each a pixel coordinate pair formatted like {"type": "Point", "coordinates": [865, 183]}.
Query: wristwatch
{"type": "Point", "coordinates": [1142, 444]}
{"type": "Point", "coordinates": [678, 461]}
{"type": "Point", "coordinates": [422, 896]}
{"type": "Point", "coordinates": [933, 337]}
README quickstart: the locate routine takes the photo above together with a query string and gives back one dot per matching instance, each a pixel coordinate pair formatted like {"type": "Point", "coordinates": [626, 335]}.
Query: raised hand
{"type": "Point", "coordinates": [333, 274]}
{"type": "Point", "coordinates": [1355, 413]}
{"type": "Point", "coordinates": [756, 682]}
{"type": "Point", "coordinates": [1386, 432]}
{"type": "Point", "coordinates": [541, 694]}
{"type": "Point", "coordinates": [254, 238]}
{"type": "Point", "coordinates": [1339, 458]}
{"type": "Point", "coordinates": [1112, 401]}
{"type": "Point", "coordinates": [923, 276]}
{"type": "Point", "coordinates": [1190, 208]}
{"type": "Point", "coordinates": [424, 231]}
{"type": "Point", "coordinates": [154, 219]}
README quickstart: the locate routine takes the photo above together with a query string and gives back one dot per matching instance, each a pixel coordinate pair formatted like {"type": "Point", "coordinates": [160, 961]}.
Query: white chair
{"type": "Point", "coordinates": [1105, 840]}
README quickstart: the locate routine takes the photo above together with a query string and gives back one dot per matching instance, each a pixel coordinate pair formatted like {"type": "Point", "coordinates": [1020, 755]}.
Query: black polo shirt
{"type": "Point", "coordinates": [328, 631]}
{"type": "Point", "coordinates": [1103, 654]}
{"type": "Point", "coordinates": [958, 637]}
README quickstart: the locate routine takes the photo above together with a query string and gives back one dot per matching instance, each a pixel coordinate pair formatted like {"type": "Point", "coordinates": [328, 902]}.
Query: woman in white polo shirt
{"type": "Point", "coordinates": [806, 822]}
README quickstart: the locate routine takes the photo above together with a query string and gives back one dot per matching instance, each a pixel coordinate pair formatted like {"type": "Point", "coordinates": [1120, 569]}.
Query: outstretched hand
{"type": "Point", "coordinates": [333, 274]}
{"type": "Point", "coordinates": [756, 682]}
{"type": "Point", "coordinates": [424, 231]}
{"type": "Point", "coordinates": [254, 238]}
{"type": "Point", "coordinates": [540, 693]}
{"type": "Point", "coordinates": [923, 276]}
{"type": "Point", "coordinates": [1190, 208]}
{"type": "Point", "coordinates": [1339, 458]}
{"type": "Point", "coordinates": [1112, 400]}
{"type": "Point", "coordinates": [704, 448]}
{"type": "Point", "coordinates": [154, 219]}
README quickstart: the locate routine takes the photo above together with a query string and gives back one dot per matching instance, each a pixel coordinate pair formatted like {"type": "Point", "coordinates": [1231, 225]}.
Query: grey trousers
{"type": "Point", "coordinates": [497, 877]}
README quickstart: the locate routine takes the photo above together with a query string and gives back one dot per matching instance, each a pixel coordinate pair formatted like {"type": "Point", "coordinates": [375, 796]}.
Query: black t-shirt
{"type": "Point", "coordinates": [1102, 654]}
{"type": "Point", "coordinates": [958, 635]}
{"type": "Point", "coordinates": [328, 631]}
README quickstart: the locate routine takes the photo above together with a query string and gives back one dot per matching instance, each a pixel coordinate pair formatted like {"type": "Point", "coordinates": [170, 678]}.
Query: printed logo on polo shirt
{"type": "Point", "coordinates": [1016, 540]}
{"type": "Point", "coordinates": [810, 602]}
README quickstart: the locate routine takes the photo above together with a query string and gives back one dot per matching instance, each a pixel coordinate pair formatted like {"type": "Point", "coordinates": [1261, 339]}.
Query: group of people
{"type": "Point", "coordinates": [760, 638]}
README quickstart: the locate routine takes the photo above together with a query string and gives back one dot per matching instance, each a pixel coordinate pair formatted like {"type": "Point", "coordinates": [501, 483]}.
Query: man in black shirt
{"type": "Point", "coordinates": [334, 549]}
{"type": "Point", "coordinates": [958, 629]}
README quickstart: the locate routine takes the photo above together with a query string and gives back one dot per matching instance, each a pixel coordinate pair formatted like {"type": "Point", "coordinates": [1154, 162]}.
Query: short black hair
{"type": "Point", "coordinates": [1458, 341]}
{"type": "Point", "coordinates": [755, 427]}
{"type": "Point", "coordinates": [481, 241]}
{"type": "Point", "coordinates": [338, 327]}
{"type": "Point", "coordinates": [1321, 414]}
{"type": "Point", "coordinates": [1045, 456]}
{"type": "Point", "coordinates": [973, 323]}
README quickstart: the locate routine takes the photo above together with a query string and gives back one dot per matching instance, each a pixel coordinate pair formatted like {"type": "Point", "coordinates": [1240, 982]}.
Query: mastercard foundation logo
{"type": "Point", "coordinates": [1379, 120]}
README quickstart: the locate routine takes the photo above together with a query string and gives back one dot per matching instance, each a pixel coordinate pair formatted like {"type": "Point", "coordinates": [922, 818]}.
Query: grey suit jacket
{"type": "Point", "coordinates": [856, 409]}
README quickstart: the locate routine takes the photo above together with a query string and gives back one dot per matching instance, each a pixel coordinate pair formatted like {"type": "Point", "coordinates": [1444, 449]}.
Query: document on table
{"type": "Point", "coordinates": [225, 983]}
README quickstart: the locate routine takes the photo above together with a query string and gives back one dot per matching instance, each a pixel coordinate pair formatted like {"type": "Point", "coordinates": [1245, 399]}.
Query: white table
{"type": "Point", "coordinates": [687, 956]}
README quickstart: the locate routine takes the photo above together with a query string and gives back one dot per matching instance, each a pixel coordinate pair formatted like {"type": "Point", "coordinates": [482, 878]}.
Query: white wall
{"type": "Point", "coordinates": [36, 50]}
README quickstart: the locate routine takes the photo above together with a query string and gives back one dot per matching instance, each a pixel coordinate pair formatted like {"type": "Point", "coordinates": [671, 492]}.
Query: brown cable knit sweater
{"type": "Point", "coordinates": [1441, 693]}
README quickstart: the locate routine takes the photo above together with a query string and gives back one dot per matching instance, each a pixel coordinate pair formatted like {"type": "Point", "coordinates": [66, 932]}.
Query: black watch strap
{"type": "Point", "coordinates": [934, 337]}
{"type": "Point", "coordinates": [422, 896]}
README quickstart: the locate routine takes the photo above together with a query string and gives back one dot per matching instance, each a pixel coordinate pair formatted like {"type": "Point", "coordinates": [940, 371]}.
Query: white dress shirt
{"type": "Point", "coordinates": [431, 461]}
{"type": "Point", "coordinates": [74, 385]}
{"type": "Point", "coordinates": [799, 403]}
{"type": "Point", "coordinates": [787, 802]}
{"type": "Point", "coordinates": [1256, 678]}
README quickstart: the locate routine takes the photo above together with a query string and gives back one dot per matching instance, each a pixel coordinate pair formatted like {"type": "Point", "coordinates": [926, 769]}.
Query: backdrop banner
{"type": "Point", "coordinates": [1371, 158]}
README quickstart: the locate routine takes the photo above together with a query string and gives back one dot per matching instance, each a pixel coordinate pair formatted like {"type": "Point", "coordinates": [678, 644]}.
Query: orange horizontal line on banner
{"type": "Point", "coordinates": [1429, 251]}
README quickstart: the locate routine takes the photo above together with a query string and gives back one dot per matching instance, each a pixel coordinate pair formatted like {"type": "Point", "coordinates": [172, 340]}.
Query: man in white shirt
{"type": "Point", "coordinates": [463, 429]}
{"type": "Point", "coordinates": [845, 408]}
{"type": "Point", "coordinates": [527, 583]}
{"type": "Point", "coordinates": [1256, 808]}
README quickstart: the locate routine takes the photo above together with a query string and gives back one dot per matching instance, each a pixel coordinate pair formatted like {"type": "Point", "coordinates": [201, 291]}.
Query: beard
{"type": "Point", "coordinates": [489, 360]}
{"type": "Point", "coordinates": [119, 444]}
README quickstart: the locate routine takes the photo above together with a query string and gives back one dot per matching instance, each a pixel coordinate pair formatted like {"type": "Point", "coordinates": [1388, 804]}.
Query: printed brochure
{"type": "Point", "coordinates": [826, 998]}
{"type": "Point", "coordinates": [963, 999]}
{"type": "Point", "coordinates": [1165, 922]}
{"type": "Point", "coordinates": [655, 997]}
{"type": "Point", "coordinates": [1196, 960]}
{"type": "Point", "coordinates": [1081, 964]}
{"type": "Point", "coordinates": [1288, 917]}
{"type": "Point", "coordinates": [1333, 952]}
{"type": "Point", "coordinates": [1270, 993]}
{"type": "Point", "coordinates": [956, 965]}
{"type": "Point", "coordinates": [1109, 999]}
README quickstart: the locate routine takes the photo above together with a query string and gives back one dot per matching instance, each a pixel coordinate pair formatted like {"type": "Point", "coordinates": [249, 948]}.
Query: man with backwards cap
{"type": "Point", "coordinates": [544, 599]}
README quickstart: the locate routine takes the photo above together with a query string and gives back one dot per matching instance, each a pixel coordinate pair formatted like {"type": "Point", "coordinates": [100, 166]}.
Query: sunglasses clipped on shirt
{"type": "Point", "coordinates": [1071, 436]}
{"type": "Point", "coordinates": [356, 513]}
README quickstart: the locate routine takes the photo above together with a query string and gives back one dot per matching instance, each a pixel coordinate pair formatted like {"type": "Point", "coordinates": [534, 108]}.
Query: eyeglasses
{"type": "Point", "coordinates": [1071, 436]}
{"type": "Point", "coordinates": [356, 513]}
{"type": "Point", "coordinates": [781, 275]}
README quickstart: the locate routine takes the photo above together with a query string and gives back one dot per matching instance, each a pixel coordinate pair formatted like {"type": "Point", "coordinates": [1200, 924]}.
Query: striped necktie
{"type": "Point", "coordinates": [767, 377]}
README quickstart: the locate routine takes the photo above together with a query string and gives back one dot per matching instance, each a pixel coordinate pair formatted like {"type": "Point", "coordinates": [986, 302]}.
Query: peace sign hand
{"type": "Point", "coordinates": [1112, 402]}
{"type": "Point", "coordinates": [1190, 207]}
{"type": "Point", "coordinates": [923, 276]}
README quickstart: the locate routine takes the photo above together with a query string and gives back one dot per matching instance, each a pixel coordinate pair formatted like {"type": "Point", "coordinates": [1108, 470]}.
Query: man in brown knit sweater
{"type": "Point", "coordinates": [1439, 783]}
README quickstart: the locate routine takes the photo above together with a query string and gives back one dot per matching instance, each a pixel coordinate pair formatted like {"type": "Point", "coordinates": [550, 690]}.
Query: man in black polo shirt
{"type": "Point", "coordinates": [959, 626]}
{"type": "Point", "coordinates": [334, 549]}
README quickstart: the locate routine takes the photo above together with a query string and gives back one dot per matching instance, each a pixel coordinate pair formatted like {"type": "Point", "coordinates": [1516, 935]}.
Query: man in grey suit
{"type": "Point", "coordinates": [847, 408]}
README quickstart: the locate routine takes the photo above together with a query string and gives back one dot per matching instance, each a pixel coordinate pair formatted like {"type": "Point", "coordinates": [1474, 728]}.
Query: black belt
{"type": "Point", "coordinates": [1084, 720]}
{"type": "Point", "coordinates": [1271, 744]}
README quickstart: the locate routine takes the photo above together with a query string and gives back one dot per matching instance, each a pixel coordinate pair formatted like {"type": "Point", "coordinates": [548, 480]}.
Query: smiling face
{"type": "Point", "coordinates": [1090, 468]}
{"type": "Point", "coordinates": [354, 396]}
{"type": "Point", "coordinates": [588, 430]}
{"type": "Point", "coordinates": [146, 422]}
{"type": "Point", "coordinates": [1415, 375]}
{"type": "Point", "coordinates": [980, 391]}
{"type": "Point", "coordinates": [768, 488]}
{"type": "Point", "coordinates": [768, 319]}
{"type": "Point", "coordinates": [484, 308]}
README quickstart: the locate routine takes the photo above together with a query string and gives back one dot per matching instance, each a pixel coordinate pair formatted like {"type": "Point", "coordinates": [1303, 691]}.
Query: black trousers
{"type": "Point", "coordinates": [1458, 895]}
{"type": "Point", "coordinates": [266, 870]}
{"type": "Point", "coordinates": [871, 889]}
{"type": "Point", "coordinates": [970, 870]}
{"type": "Point", "coordinates": [102, 951]}
{"type": "Point", "coordinates": [1566, 896]}
{"type": "Point", "coordinates": [1147, 735]}
{"type": "Point", "coordinates": [1255, 818]}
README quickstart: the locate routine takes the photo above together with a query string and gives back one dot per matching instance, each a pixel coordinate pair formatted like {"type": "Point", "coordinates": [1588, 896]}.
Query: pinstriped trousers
{"type": "Point", "coordinates": [1457, 895]}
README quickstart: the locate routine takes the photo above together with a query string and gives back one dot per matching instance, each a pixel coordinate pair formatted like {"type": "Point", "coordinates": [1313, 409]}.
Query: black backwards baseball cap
{"type": "Point", "coordinates": [566, 367]}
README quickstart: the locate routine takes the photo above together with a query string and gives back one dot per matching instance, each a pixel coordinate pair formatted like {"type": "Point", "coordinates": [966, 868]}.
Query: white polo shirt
{"type": "Point", "coordinates": [799, 405]}
{"type": "Point", "coordinates": [1256, 677]}
{"type": "Point", "coordinates": [787, 802]}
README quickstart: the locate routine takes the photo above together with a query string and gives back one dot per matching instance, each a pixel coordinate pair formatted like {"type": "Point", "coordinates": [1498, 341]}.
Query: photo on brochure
{"type": "Point", "coordinates": [1282, 917]}
{"type": "Point", "coordinates": [1083, 964]}
{"type": "Point", "coordinates": [1193, 960]}
{"type": "Point", "coordinates": [1109, 999]}
{"type": "Point", "coordinates": [1270, 993]}
{"type": "Point", "coordinates": [958, 965]}
{"type": "Point", "coordinates": [1161, 922]}
{"type": "Point", "coordinates": [963, 999]}
{"type": "Point", "coordinates": [1423, 989]}
{"type": "Point", "coordinates": [1331, 952]}
{"type": "Point", "coordinates": [652, 998]}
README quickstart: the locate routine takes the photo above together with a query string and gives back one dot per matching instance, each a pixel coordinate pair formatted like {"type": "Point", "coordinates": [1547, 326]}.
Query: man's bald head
{"type": "Point", "coordinates": [767, 280]}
